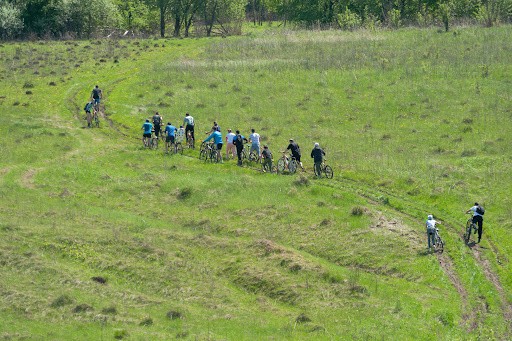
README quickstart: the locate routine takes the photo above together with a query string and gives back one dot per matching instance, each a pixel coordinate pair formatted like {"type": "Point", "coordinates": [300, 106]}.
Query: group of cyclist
{"type": "Point", "coordinates": [92, 107]}
{"type": "Point", "coordinates": [235, 145]}
{"type": "Point", "coordinates": [477, 220]}
{"type": "Point", "coordinates": [235, 142]}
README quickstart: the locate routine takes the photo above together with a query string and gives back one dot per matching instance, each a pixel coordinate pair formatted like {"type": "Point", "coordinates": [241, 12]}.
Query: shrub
{"type": "Point", "coordinates": [349, 20]}
{"type": "Point", "coordinates": [61, 301]}
{"type": "Point", "coordinates": [357, 211]}
{"type": "Point", "coordinates": [174, 315]}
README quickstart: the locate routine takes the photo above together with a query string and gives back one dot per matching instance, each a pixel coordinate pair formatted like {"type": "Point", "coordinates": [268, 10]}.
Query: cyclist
{"type": "Point", "coordinates": [217, 138]}
{"type": "Point", "coordinates": [431, 230]}
{"type": "Point", "coordinates": [295, 149]}
{"type": "Point", "coordinates": [230, 147]}
{"type": "Point", "coordinates": [266, 157]}
{"type": "Point", "coordinates": [180, 135]}
{"type": "Point", "coordinates": [255, 142]}
{"type": "Point", "coordinates": [157, 121]}
{"type": "Point", "coordinates": [318, 157]}
{"type": "Point", "coordinates": [215, 127]}
{"type": "Point", "coordinates": [96, 95]}
{"type": "Point", "coordinates": [238, 141]}
{"type": "Point", "coordinates": [478, 212]}
{"type": "Point", "coordinates": [146, 136]}
{"type": "Point", "coordinates": [188, 122]}
{"type": "Point", "coordinates": [170, 132]}
{"type": "Point", "coordinates": [88, 108]}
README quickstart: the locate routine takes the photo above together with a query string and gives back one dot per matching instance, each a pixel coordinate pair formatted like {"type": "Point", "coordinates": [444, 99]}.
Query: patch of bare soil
{"type": "Point", "coordinates": [27, 179]}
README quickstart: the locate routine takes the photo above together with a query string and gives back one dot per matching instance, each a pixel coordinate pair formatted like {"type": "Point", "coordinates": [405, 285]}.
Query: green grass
{"type": "Point", "coordinates": [413, 122]}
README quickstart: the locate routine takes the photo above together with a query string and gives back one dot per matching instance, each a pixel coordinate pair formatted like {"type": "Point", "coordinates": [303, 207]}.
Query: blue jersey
{"type": "Point", "coordinates": [170, 130]}
{"type": "Point", "coordinates": [147, 127]}
{"type": "Point", "coordinates": [217, 137]}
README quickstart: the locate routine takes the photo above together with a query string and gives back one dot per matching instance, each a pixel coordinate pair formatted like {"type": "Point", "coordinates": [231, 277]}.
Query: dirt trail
{"type": "Point", "coordinates": [494, 279]}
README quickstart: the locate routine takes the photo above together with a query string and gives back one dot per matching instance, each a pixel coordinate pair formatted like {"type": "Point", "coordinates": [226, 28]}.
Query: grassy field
{"type": "Point", "coordinates": [102, 239]}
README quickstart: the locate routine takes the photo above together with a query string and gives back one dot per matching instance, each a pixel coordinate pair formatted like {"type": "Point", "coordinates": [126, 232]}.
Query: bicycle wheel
{"type": "Point", "coordinates": [328, 172]}
{"type": "Point", "coordinates": [292, 166]}
{"type": "Point", "coordinates": [178, 149]}
{"type": "Point", "coordinates": [154, 143]}
{"type": "Point", "coordinates": [280, 165]}
{"type": "Point", "coordinates": [467, 234]}
{"type": "Point", "coordinates": [253, 156]}
{"type": "Point", "coordinates": [439, 243]}
{"type": "Point", "coordinates": [97, 122]}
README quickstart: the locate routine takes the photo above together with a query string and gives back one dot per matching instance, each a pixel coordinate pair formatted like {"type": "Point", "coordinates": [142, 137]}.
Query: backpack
{"type": "Point", "coordinates": [480, 210]}
{"type": "Point", "coordinates": [238, 141]}
{"type": "Point", "coordinates": [157, 120]}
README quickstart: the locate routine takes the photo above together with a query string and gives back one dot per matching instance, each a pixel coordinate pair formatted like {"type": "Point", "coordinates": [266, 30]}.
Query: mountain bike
{"type": "Point", "coordinates": [285, 162]}
{"type": "Point", "coordinates": [190, 141]}
{"type": "Point", "coordinates": [96, 119]}
{"type": "Point", "coordinates": [268, 167]}
{"type": "Point", "coordinates": [470, 225]}
{"type": "Point", "coordinates": [248, 154]}
{"type": "Point", "coordinates": [153, 142]}
{"type": "Point", "coordinates": [439, 243]}
{"type": "Point", "coordinates": [175, 147]}
{"type": "Point", "coordinates": [203, 150]}
{"type": "Point", "coordinates": [327, 170]}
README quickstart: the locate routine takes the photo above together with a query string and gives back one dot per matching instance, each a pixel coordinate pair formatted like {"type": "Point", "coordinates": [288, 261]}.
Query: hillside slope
{"type": "Point", "coordinates": [101, 238]}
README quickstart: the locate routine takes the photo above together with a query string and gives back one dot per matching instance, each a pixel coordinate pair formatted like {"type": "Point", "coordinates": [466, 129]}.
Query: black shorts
{"type": "Point", "coordinates": [147, 135]}
{"type": "Point", "coordinates": [169, 139]}
{"type": "Point", "coordinates": [297, 157]}
{"type": "Point", "coordinates": [219, 146]}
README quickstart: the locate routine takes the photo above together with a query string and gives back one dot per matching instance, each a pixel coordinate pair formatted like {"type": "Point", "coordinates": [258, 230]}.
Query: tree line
{"type": "Point", "coordinates": [26, 19]}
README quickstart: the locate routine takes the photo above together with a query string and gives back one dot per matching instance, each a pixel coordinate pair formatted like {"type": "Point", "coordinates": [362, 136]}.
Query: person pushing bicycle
{"type": "Point", "coordinates": [478, 218]}
{"type": "Point", "coordinates": [431, 230]}
{"type": "Point", "coordinates": [318, 157]}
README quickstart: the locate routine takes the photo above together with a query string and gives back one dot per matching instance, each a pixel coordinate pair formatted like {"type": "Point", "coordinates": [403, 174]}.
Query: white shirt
{"type": "Point", "coordinates": [475, 213]}
{"type": "Point", "coordinates": [431, 224]}
{"type": "Point", "coordinates": [230, 137]}
{"type": "Point", "coordinates": [180, 135]}
{"type": "Point", "coordinates": [189, 120]}
{"type": "Point", "coordinates": [255, 138]}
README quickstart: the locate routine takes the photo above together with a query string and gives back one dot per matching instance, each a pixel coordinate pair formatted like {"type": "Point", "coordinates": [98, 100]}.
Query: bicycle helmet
{"type": "Point", "coordinates": [430, 217]}
{"type": "Point", "coordinates": [317, 145]}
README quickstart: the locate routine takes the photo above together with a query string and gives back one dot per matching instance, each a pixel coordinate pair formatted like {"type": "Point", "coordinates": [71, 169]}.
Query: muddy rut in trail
{"type": "Point", "coordinates": [494, 279]}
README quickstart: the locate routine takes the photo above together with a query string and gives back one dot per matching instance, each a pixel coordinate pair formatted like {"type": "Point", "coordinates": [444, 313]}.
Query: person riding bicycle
{"type": "Point", "coordinates": [266, 157]}
{"type": "Point", "coordinates": [431, 230]}
{"type": "Point", "coordinates": [478, 213]}
{"type": "Point", "coordinates": [295, 149]}
{"type": "Point", "coordinates": [157, 121]}
{"type": "Point", "coordinates": [217, 138]}
{"type": "Point", "coordinates": [188, 122]}
{"type": "Point", "coordinates": [238, 141]}
{"type": "Point", "coordinates": [255, 142]}
{"type": "Point", "coordinates": [230, 147]}
{"type": "Point", "coordinates": [146, 136]}
{"type": "Point", "coordinates": [170, 132]}
{"type": "Point", "coordinates": [96, 95]}
{"type": "Point", "coordinates": [318, 157]}
{"type": "Point", "coordinates": [87, 109]}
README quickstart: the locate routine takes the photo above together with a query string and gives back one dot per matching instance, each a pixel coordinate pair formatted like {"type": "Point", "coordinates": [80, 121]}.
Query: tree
{"type": "Point", "coordinates": [226, 15]}
{"type": "Point", "coordinates": [44, 17]}
{"type": "Point", "coordinates": [84, 18]}
{"type": "Point", "coordinates": [10, 21]}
